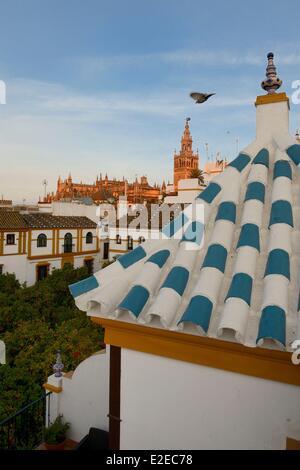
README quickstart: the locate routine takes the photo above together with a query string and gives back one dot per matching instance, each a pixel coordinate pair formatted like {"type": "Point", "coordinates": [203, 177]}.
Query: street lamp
{"type": "Point", "coordinates": [206, 148]}
{"type": "Point", "coordinates": [237, 144]}
{"type": "Point", "coordinates": [45, 183]}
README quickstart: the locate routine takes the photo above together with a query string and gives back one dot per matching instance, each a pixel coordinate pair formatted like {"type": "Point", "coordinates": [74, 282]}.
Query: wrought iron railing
{"type": "Point", "coordinates": [68, 247]}
{"type": "Point", "coordinates": [24, 429]}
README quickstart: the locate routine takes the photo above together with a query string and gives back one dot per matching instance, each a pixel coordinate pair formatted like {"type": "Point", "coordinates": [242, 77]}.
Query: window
{"type": "Point", "coordinates": [42, 272]}
{"type": "Point", "coordinates": [41, 240]}
{"type": "Point", "coordinates": [10, 239]}
{"type": "Point", "coordinates": [1, 269]}
{"type": "Point", "coordinates": [141, 240]}
{"type": "Point", "coordinates": [105, 250]}
{"type": "Point", "coordinates": [119, 240]}
{"type": "Point", "coordinates": [89, 264]}
{"type": "Point", "coordinates": [129, 243]}
{"type": "Point", "coordinates": [89, 238]}
{"type": "Point", "coordinates": [68, 245]}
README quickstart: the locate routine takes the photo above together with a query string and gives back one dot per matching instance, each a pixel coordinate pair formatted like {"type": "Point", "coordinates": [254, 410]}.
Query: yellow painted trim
{"type": "Point", "coordinates": [118, 251]}
{"type": "Point", "coordinates": [24, 242]}
{"type": "Point", "coordinates": [12, 230]}
{"type": "Point", "coordinates": [50, 228]}
{"type": "Point", "coordinates": [35, 240]}
{"type": "Point", "coordinates": [57, 241]}
{"type": "Point", "coordinates": [78, 239]}
{"type": "Point", "coordinates": [37, 266]}
{"type": "Point", "coordinates": [12, 254]}
{"type": "Point", "coordinates": [20, 243]}
{"type": "Point", "coordinates": [258, 362]}
{"type": "Point", "coordinates": [53, 241]}
{"type": "Point", "coordinates": [274, 98]}
{"type": "Point", "coordinates": [1, 242]}
{"type": "Point", "coordinates": [67, 259]}
{"type": "Point", "coordinates": [189, 189]}
{"type": "Point", "coordinates": [29, 242]}
{"type": "Point", "coordinates": [62, 255]}
{"type": "Point", "coordinates": [52, 388]}
{"type": "Point", "coordinates": [292, 444]}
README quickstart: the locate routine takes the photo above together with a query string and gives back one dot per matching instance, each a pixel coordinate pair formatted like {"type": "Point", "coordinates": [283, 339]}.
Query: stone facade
{"type": "Point", "coordinates": [104, 189]}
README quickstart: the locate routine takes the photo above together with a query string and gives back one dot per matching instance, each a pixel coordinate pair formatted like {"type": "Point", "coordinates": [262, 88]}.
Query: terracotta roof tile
{"type": "Point", "coordinates": [54, 221]}
{"type": "Point", "coordinates": [11, 220]}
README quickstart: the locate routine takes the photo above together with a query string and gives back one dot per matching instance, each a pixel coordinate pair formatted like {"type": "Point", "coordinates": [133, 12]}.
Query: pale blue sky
{"type": "Point", "coordinates": [104, 86]}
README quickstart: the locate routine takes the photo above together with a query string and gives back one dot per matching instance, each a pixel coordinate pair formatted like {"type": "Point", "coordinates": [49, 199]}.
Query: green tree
{"type": "Point", "coordinates": [35, 322]}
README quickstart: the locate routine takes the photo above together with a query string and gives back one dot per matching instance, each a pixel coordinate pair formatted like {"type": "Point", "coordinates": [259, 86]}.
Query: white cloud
{"type": "Point", "coordinates": [211, 58]}
{"type": "Point", "coordinates": [47, 129]}
{"type": "Point", "coordinates": [91, 66]}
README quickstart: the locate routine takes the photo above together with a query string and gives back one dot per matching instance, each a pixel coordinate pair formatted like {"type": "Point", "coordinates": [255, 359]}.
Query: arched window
{"type": "Point", "coordinates": [41, 240]}
{"type": "Point", "coordinates": [89, 238]}
{"type": "Point", "coordinates": [129, 243]}
{"type": "Point", "coordinates": [118, 240]}
{"type": "Point", "coordinates": [141, 240]}
{"type": "Point", "coordinates": [68, 245]}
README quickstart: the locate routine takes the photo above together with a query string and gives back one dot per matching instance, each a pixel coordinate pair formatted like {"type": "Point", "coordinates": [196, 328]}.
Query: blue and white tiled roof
{"type": "Point", "coordinates": [241, 282]}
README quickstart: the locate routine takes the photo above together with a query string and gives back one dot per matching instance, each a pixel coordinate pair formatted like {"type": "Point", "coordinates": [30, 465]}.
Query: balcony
{"type": "Point", "coordinates": [68, 247]}
{"type": "Point", "coordinates": [24, 429]}
{"type": "Point", "coordinates": [69, 396]}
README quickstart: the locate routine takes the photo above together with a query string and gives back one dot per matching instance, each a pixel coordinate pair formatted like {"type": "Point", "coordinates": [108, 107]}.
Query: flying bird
{"type": "Point", "coordinates": [200, 97]}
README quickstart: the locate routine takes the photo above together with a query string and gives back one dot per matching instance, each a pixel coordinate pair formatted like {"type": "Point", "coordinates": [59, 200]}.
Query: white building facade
{"type": "Point", "coordinates": [32, 245]}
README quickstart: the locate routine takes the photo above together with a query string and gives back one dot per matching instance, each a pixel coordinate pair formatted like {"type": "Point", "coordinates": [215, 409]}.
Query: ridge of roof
{"type": "Point", "coordinates": [14, 220]}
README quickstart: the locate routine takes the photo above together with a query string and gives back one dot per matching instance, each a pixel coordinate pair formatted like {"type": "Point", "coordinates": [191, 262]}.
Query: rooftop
{"type": "Point", "coordinates": [11, 220]}
{"type": "Point", "coordinates": [14, 220]}
{"type": "Point", "coordinates": [240, 281]}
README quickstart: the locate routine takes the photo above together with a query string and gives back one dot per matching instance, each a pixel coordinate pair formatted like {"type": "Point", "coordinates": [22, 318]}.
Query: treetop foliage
{"type": "Point", "coordinates": [35, 322]}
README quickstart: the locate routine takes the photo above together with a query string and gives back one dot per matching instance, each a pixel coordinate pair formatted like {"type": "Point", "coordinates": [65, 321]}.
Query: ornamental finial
{"type": "Point", "coordinates": [272, 82]}
{"type": "Point", "coordinates": [58, 366]}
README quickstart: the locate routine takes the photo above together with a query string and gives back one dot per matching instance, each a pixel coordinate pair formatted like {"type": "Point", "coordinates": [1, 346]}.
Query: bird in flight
{"type": "Point", "coordinates": [200, 97]}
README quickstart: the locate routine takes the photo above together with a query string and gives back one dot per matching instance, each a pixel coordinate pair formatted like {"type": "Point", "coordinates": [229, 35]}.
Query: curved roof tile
{"type": "Point", "coordinates": [254, 259]}
{"type": "Point", "coordinates": [262, 158]}
{"type": "Point", "coordinates": [226, 211]}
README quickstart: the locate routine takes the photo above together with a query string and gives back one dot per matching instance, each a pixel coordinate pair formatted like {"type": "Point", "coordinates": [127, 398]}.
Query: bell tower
{"type": "Point", "coordinates": [185, 161]}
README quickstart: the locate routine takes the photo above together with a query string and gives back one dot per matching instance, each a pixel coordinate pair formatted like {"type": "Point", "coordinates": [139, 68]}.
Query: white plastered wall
{"type": "Point", "coordinates": [84, 399]}
{"type": "Point", "coordinates": [169, 404]}
{"type": "Point", "coordinates": [15, 264]}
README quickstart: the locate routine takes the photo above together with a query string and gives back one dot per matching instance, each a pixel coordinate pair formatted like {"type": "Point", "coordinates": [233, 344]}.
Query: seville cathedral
{"type": "Point", "coordinates": [103, 189]}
